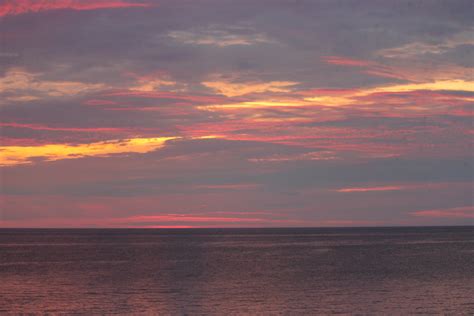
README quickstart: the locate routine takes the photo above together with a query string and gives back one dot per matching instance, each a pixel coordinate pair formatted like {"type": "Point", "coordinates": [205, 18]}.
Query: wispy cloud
{"type": "Point", "coordinates": [419, 48]}
{"type": "Point", "coordinates": [455, 212]}
{"type": "Point", "coordinates": [233, 89]}
{"type": "Point", "coordinates": [16, 7]}
{"type": "Point", "coordinates": [345, 61]}
{"type": "Point", "coordinates": [417, 71]}
{"type": "Point", "coordinates": [220, 36]}
{"type": "Point", "coordinates": [21, 85]}
{"type": "Point", "coordinates": [239, 186]}
{"type": "Point", "coordinates": [397, 187]}
{"type": "Point", "coordinates": [370, 189]}
{"type": "Point", "coordinates": [316, 155]}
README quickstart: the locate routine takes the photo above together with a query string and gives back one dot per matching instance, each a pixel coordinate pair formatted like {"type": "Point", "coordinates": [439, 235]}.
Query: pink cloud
{"type": "Point", "coordinates": [99, 102]}
{"type": "Point", "coordinates": [370, 189]}
{"type": "Point", "coordinates": [186, 218]}
{"type": "Point", "coordinates": [344, 61]}
{"type": "Point", "coordinates": [398, 187]}
{"type": "Point", "coordinates": [179, 221]}
{"type": "Point", "coordinates": [240, 186]}
{"type": "Point", "coordinates": [455, 212]}
{"type": "Point", "coordinates": [371, 68]}
{"type": "Point", "coordinates": [16, 7]}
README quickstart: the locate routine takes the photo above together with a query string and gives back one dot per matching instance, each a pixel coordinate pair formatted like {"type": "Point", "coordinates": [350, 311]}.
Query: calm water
{"type": "Point", "coordinates": [238, 271]}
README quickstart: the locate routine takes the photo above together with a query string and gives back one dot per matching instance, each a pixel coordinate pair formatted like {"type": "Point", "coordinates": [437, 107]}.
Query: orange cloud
{"type": "Point", "coordinates": [356, 98]}
{"type": "Point", "coordinates": [16, 7]}
{"type": "Point", "coordinates": [14, 155]}
{"type": "Point", "coordinates": [362, 96]}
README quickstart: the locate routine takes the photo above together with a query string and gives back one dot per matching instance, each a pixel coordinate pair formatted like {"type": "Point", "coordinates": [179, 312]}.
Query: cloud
{"type": "Point", "coordinates": [176, 221]}
{"type": "Point", "coordinates": [158, 80]}
{"type": "Point", "coordinates": [398, 187]}
{"type": "Point", "coordinates": [394, 99]}
{"type": "Point", "coordinates": [455, 212]}
{"type": "Point", "coordinates": [13, 155]}
{"type": "Point", "coordinates": [231, 89]}
{"type": "Point", "coordinates": [420, 48]}
{"type": "Point", "coordinates": [20, 85]}
{"type": "Point", "coordinates": [344, 61]}
{"type": "Point", "coordinates": [152, 85]}
{"type": "Point", "coordinates": [220, 36]}
{"type": "Point", "coordinates": [67, 129]}
{"type": "Point", "coordinates": [16, 7]}
{"type": "Point", "coordinates": [240, 186]}
{"type": "Point", "coordinates": [303, 105]}
{"type": "Point", "coordinates": [419, 71]}
{"type": "Point", "coordinates": [315, 155]}
{"type": "Point", "coordinates": [363, 96]}
{"type": "Point", "coordinates": [370, 189]}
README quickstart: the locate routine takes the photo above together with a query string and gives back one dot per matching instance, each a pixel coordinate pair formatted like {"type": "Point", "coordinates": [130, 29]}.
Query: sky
{"type": "Point", "coordinates": [217, 113]}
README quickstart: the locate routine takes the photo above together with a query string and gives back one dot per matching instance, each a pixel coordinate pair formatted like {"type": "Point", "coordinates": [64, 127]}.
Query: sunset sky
{"type": "Point", "coordinates": [197, 113]}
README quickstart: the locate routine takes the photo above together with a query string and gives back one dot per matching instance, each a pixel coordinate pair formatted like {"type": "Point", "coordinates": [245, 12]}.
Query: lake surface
{"type": "Point", "coordinates": [395, 271]}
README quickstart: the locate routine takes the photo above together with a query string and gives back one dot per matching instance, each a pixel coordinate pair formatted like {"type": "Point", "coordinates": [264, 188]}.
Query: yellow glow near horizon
{"type": "Point", "coordinates": [14, 155]}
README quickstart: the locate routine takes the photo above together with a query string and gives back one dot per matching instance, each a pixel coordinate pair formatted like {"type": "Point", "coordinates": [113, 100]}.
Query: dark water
{"type": "Point", "coordinates": [238, 271]}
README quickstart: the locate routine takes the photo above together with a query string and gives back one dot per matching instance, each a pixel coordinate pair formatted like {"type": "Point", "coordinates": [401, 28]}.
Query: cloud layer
{"type": "Point", "coordinates": [267, 113]}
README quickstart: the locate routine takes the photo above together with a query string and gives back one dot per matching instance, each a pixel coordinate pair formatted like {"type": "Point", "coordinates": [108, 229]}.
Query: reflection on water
{"type": "Point", "coordinates": [238, 271]}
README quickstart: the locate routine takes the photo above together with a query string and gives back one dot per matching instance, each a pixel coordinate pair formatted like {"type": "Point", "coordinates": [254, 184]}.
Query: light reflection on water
{"type": "Point", "coordinates": [275, 271]}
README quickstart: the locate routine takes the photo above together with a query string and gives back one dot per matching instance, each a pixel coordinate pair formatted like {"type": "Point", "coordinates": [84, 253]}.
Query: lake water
{"type": "Point", "coordinates": [395, 271]}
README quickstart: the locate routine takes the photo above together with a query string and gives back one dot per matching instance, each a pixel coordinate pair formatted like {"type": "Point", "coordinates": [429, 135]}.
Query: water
{"type": "Point", "coordinates": [395, 271]}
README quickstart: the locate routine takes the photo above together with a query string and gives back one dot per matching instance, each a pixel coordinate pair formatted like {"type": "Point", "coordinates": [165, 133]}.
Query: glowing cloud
{"type": "Point", "coordinates": [189, 218]}
{"type": "Point", "coordinates": [14, 155]}
{"type": "Point", "coordinates": [354, 96]}
{"type": "Point", "coordinates": [370, 189]}
{"type": "Point", "coordinates": [394, 187]}
{"type": "Point", "coordinates": [237, 89]}
{"type": "Point", "coordinates": [152, 85]}
{"type": "Point", "coordinates": [152, 82]}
